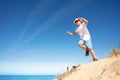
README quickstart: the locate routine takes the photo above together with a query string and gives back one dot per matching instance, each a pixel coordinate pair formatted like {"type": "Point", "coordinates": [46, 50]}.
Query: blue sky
{"type": "Point", "coordinates": [33, 37]}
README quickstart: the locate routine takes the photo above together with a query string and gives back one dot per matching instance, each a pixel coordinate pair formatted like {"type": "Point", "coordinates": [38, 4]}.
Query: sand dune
{"type": "Point", "coordinates": [104, 69]}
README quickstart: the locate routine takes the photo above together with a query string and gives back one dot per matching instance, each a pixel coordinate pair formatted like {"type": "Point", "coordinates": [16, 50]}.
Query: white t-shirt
{"type": "Point", "coordinates": [83, 31]}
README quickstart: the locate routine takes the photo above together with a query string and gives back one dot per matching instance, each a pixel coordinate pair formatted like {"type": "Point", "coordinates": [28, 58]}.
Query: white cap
{"type": "Point", "coordinates": [75, 20]}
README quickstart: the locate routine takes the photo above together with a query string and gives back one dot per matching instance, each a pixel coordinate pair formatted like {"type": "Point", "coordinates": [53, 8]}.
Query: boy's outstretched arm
{"type": "Point", "coordinates": [71, 33]}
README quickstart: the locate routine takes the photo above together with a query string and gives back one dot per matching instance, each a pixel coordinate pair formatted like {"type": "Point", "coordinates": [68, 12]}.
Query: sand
{"type": "Point", "coordinates": [104, 69]}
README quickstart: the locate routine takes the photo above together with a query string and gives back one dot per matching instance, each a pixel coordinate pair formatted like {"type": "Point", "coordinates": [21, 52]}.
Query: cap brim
{"type": "Point", "coordinates": [75, 21]}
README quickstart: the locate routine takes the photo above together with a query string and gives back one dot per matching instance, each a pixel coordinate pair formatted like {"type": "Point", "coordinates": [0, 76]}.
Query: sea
{"type": "Point", "coordinates": [27, 77]}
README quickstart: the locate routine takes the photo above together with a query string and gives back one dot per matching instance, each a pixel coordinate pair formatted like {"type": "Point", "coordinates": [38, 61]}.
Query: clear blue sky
{"type": "Point", "coordinates": [33, 37]}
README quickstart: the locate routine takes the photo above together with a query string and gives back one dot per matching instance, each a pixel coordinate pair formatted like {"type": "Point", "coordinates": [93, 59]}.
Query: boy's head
{"type": "Point", "coordinates": [77, 22]}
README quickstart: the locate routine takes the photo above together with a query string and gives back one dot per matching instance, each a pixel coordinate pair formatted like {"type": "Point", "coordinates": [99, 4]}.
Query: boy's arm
{"type": "Point", "coordinates": [71, 33]}
{"type": "Point", "coordinates": [84, 20]}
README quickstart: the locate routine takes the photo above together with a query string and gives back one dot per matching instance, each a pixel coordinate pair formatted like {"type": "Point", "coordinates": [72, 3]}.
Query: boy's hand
{"type": "Point", "coordinates": [68, 32]}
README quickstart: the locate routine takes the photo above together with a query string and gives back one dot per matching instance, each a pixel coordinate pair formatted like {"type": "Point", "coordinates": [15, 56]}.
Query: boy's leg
{"type": "Point", "coordinates": [92, 53]}
{"type": "Point", "coordinates": [82, 45]}
{"type": "Point", "coordinates": [87, 46]}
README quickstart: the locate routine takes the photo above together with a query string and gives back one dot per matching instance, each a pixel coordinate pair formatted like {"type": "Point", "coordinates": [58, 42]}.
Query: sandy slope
{"type": "Point", "coordinates": [105, 69]}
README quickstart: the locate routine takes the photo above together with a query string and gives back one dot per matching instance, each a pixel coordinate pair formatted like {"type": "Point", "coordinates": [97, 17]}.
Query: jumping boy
{"type": "Point", "coordinates": [85, 41]}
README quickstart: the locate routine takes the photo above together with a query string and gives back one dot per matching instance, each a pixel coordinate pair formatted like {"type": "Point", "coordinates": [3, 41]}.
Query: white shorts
{"type": "Point", "coordinates": [86, 43]}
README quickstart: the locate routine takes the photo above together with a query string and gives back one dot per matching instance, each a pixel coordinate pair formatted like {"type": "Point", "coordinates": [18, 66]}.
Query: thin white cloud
{"type": "Point", "coordinates": [64, 12]}
{"type": "Point", "coordinates": [59, 16]}
{"type": "Point", "coordinates": [35, 15]}
{"type": "Point", "coordinates": [39, 10]}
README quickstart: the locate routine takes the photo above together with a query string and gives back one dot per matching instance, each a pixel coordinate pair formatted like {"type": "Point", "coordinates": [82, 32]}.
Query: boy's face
{"type": "Point", "coordinates": [78, 23]}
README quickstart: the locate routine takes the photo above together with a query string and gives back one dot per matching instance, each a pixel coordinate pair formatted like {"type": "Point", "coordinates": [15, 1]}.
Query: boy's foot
{"type": "Point", "coordinates": [87, 53]}
{"type": "Point", "coordinates": [95, 59]}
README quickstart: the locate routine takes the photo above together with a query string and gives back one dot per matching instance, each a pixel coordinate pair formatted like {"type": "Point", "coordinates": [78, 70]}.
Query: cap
{"type": "Point", "coordinates": [75, 20]}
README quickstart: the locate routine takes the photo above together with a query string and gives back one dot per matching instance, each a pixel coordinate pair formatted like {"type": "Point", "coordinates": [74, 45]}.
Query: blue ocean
{"type": "Point", "coordinates": [27, 77]}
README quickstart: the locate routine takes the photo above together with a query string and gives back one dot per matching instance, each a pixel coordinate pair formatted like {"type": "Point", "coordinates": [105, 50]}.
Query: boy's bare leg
{"type": "Point", "coordinates": [91, 50]}
{"type": "Point", "coordinates": [83, 47]}
{"type": "Point", "coordinates": [92, 53]}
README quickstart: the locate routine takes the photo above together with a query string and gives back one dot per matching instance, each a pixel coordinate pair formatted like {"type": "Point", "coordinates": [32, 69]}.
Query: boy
{"type": "Point", "coordinates": [85, 41]}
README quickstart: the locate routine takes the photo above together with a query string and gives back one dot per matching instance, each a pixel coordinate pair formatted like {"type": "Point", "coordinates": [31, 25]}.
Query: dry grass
{"type": "Point", "coordinates": [67, 73]}
{"type": "Point", "coordinates": [61, 76]}
{"type": "Point", "coordinates": [114, 52]}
